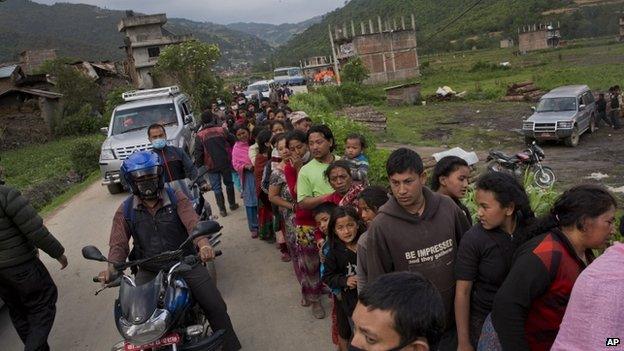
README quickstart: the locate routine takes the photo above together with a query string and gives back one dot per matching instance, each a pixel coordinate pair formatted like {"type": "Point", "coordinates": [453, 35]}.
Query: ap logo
{"type": "Point", "coordinates": [612, 342]}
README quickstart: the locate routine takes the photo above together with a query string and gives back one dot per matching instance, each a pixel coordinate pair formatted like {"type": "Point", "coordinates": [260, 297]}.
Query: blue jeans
{"type": "Point", "coordinates": [215, 180]}
{"type": "Point", "coordinates": [252, 218]}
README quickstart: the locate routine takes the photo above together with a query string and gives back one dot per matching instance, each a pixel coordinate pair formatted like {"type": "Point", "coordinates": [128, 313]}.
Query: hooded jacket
{"type": "Point", "coordinates": [427, 244]}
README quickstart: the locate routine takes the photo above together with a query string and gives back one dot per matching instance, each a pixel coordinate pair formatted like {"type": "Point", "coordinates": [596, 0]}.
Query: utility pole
{"type": "Point", "coordinates": [333, 47]}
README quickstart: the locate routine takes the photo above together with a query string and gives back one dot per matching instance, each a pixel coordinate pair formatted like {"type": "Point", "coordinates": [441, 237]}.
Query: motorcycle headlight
{"type": "Point", "coordinates": [153, 329]}
{"type": "Point", "coordinates": [565, 125]}
{"type": "Point", "coordinates": [107, 154]}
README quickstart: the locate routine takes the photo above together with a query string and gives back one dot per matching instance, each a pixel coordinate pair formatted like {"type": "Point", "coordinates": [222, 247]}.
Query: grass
{"type": "Point", "coordinates": [34, 164]}
{"type": "Point", "coordinates": [66, 196]}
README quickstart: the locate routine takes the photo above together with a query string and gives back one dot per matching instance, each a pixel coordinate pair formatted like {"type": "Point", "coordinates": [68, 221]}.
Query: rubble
{"type": "Point", "coordinates": [367, 116]}
{"type": "Point", "coordinates": [525, 91]}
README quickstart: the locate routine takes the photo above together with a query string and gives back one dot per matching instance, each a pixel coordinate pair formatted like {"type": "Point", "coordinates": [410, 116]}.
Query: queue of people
{"type": "Point", "coordinates": [404, 266]}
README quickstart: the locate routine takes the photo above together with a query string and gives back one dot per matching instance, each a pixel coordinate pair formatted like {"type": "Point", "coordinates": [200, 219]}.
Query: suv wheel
{"type": "Point", "coordinates": [116, 188]}
{"type": "Point", "coordinates": [592, 124]}
{"type": "Point", "coordinates": [573, 139]}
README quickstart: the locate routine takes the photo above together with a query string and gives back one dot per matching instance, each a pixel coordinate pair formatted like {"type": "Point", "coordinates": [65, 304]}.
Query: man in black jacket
{"type": "Point", "coordinates": [25, 284]}
{"type": "Point", "coordinates": [213, 149]}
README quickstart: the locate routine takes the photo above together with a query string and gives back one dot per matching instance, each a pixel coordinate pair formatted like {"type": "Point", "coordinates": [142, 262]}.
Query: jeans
{"type": "Point", "coordinates": [252, 218]}
{"type": "Point", "coordinates": [209, 298]}
{"type": "Point", "coordinates": [216, 177]}
{"type": "Point", "coordinates": [615, 119]}
{"type": "Point", "coordinates": [30, 295]}
{"type": "Point", "coordinates": [602, 116]}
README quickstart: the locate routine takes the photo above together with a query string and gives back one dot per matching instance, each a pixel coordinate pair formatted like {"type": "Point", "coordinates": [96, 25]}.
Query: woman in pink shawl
{"type": "Point", "coordinates": [243, 166]}
{"type": "Point", "coordinates": [595, 311]}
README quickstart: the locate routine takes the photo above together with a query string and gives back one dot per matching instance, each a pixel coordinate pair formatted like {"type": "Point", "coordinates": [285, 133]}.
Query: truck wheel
{"type": "Point", "coordinates": [115, 188]}
{"type": "Point", "coordinates": [573, 140]}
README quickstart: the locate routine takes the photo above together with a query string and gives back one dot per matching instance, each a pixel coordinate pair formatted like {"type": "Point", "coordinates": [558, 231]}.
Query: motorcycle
{"type": "Point", "coordinates": [519, 164]}
{"type": "Point", "coordinates": [201, 206]}
{"type": "Point", "coordinates": [161, 314]}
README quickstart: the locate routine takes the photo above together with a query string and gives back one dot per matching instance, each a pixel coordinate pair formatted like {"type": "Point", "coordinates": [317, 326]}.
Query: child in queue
{"type": "Point", "coordinates": [369, 202]}
{"type": "Point", "coordinates": [245, 169]}
{"type": "Point", "coordinates": [450, 178]}
{"type": "Point", "coordinates": [355, 145]}
{"type": "Point", "coordinates": [344, 230]}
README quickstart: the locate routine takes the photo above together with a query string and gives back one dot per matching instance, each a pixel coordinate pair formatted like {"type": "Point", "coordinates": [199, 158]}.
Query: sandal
{"type": "Point", "coordinates": [317, 310]}
{"type": "Point", "coordinates": [304, 302]}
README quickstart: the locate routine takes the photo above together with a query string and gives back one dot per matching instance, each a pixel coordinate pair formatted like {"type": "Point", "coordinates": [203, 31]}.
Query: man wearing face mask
{"type": "Point", "coordinates": [177, 164]}
{"type": "Point", "coordinates": [159, 219]}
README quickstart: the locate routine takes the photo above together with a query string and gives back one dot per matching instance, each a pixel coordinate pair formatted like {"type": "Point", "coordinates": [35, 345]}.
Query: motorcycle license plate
{"type": "Point", "coordinates": [170, 339]}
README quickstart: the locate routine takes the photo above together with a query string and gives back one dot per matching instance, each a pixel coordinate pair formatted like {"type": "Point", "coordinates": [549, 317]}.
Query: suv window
{"type": "Point", "coordinates": [142, 117]}
{"type": "Point", "coordinates": [588, 98]}
{"type": "Point", "coordinates": [557, 104]}
{"type": "Point", "coordinates": [185, 109]}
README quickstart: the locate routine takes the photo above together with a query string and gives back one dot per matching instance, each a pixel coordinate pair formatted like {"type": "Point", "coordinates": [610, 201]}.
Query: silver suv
{"type": "Point", "coordinates": [127, 131]}
{"type": "Point", "coordinates": [564, 113]}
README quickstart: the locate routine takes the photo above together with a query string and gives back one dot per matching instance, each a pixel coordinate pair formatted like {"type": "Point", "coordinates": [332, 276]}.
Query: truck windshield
{"type": "Point", "coordinates": [280, 72]}
{"type": "Point", "coordinates": [294, 72]}
{"type": "Point", "coordinates": [142, 117]}
{"type": "Point", "coordinates": [557, 104]}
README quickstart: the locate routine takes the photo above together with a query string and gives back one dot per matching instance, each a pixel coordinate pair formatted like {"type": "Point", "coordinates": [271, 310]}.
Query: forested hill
{"type": "Point", "coordinates": [89, 32]}
{"type": "Point", "coordinates": [483, 26]}
{"type": "Point", "coordinates": [274, 34]}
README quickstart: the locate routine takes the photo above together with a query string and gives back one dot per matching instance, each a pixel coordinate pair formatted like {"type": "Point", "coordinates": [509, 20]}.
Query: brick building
{"type": "Point", "coordinates": [144, 39]}
{"type": "Point", "coordinates": [388, 49]}
{"type": "Point", "coordinates": [30, 60]}
{"type": "Point", "coordinates": [538, 37]}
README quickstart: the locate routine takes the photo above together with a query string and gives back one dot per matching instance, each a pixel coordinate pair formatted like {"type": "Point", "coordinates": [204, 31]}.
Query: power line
{"type": "Point", "coordinates": [452, 21]}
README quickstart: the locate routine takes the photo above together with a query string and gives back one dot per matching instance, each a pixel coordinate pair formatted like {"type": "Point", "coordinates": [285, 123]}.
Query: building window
{"type": "Point", "coordinates": [153, 52]}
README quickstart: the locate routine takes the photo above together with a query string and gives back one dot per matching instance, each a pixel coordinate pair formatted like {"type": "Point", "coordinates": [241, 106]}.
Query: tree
{"type": "Point", "coordinates": [354, 71]}
{"type": "Point", "coordinates": [191, 65]}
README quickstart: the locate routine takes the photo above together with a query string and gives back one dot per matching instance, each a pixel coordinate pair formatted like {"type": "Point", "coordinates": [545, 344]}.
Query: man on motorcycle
{"type": "Point", "coordinates": [161, 220]}
{"type": "Point", "coordinates": [177, 164]}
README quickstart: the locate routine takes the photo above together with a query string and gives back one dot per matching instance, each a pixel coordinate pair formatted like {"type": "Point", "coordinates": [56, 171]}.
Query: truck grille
{"type": "Point", "coordinates": [545, 127]}
{"type": "Point", "coordinates": [123, 153]}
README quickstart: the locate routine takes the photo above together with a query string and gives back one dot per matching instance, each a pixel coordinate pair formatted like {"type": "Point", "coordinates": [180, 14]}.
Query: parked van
{"type": "Point", "coordinates": [127, 130]}
{"type": "Point", "coordinates": [565, 113]}
{"type": "Point", "coordinates": [289, 76]}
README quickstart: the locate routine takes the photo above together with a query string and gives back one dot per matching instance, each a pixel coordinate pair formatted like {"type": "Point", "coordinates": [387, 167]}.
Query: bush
{"type": "Point", "coordinates": [354, 71]}
{"type": "Point", "coordinates": [80, 123]}
{"type": "Point", "coordinates": [85, 156]}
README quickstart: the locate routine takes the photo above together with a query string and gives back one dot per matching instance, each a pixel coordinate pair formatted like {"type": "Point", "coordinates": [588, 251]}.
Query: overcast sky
{"type": "Point", "coordinates": [223, 11]}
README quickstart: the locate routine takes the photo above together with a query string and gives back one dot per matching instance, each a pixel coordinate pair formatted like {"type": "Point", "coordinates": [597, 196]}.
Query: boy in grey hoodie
{"type": "Point", "coordinates": [416, 230]}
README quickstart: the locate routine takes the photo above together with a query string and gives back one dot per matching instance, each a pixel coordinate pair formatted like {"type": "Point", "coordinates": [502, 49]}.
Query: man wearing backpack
{"type": "Point", "coordinates": [159, 219]}
{"type": "Point", "coordinates": [616, 103]}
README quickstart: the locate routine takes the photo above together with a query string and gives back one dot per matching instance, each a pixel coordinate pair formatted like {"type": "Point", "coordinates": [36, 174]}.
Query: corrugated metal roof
{"type": "Point", "coordinates": [35, 92]}
{"type": "Point", "coordinates": [5, 72]}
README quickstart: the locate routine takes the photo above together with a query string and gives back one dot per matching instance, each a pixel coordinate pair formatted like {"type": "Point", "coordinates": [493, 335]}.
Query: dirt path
{"type": "Point", "coordinates": [260, 290]}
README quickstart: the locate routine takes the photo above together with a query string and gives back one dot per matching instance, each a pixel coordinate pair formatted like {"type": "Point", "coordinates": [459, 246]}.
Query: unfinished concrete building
{"type": "Point", "coordinates": [31, 60]}
{"type": "Point", "coordinates": [538, 37]}
{"type": "Point", "coordinates": [387, 48]}
{"type": "Point", "coordinates": [144, 39]}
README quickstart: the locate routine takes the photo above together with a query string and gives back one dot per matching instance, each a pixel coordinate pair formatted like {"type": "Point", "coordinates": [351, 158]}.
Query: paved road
{"type": "Point", "coordinates": [260, 290]}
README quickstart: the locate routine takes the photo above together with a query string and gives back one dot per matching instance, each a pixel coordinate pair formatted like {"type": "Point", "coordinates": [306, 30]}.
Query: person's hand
{"type": "Point", "coordinates": [352, 282]}
{"type": "Point", "coordinates": [465, 347]}
{"type": "Point", "coordinates": [206, 253]}
{"type": "Point", "coordinates": [63, 261]}
{"type": "Point", "coordinates": [205, 187]}
{"type": "Point", "coordinates": [104, 277]}
{"type": "Point", "coordinates": [319, 244]}
{"type": "Point", "coordinates": [295, 160]}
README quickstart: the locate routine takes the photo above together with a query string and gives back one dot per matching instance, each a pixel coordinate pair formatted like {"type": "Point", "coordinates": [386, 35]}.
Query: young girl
{"type": "Point", "coordinates": [242, 164]}
{"type": "Point", "coordinates": [345, 229]}
{"type": "Point", "coordinates": [265, 211]}
{"type": "Point", "coordinates": [486, 250]}
{"type": "Point", "coordinates": [354, 153]}
{"type": "Point", "coordinates": [369, 202]}
{"type": "Point", "coordinates": [450, 177]}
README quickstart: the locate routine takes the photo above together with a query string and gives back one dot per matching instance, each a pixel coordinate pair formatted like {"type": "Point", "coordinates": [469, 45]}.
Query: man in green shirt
{"type": "Point", "coordinates": [312, 186]}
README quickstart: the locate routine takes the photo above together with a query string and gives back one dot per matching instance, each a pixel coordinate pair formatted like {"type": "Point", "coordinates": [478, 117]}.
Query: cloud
{"type": "Point", "coordinates": [219, 11]}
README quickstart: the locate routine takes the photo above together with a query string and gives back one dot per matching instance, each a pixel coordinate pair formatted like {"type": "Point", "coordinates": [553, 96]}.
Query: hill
{"type": "Point", "coordinates": [273, 34]}
{"type": "Point", "coordinates": [89, 32]}
{"type": "Point", "coordinates": [482, 26]}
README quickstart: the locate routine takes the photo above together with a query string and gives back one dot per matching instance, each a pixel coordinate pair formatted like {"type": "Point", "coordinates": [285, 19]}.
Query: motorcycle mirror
{"type": "Point", "coordinates": [93, 253]}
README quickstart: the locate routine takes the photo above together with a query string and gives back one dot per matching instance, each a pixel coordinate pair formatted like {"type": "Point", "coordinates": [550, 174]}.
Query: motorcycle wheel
{"type": "Point", "coordinates": [544, 177]}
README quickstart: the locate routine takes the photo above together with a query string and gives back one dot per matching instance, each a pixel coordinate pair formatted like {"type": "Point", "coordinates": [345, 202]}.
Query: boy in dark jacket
{"type": "Point", "coordinates": [417, 230]}
{"type": "Point", "coordinates": [25, 284]}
